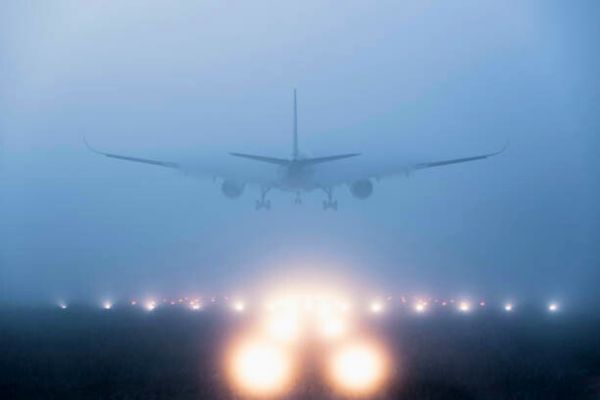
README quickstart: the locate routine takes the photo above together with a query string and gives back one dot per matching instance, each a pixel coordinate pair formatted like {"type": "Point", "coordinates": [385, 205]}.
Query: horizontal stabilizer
{"type": "Point", "coordinates": [270, 160]}
{"type": "Point", "coordinates": [318, 160]}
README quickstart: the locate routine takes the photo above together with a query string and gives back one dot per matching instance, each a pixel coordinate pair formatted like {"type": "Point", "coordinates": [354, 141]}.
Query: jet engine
{"type": "Point", "coordinates": [361, 189]}
{"type": "Point", "coordinates": [232, 189]}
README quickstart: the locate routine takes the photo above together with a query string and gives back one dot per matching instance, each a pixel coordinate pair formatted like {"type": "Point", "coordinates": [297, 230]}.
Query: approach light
{"type": "Point", "coordinates": [239, 306]}
{"type": "Point", "coordinates": [357, 369]}
{"type": "Point", "coordinates": [553, 307]}
{"type": "Point", "coordinates": [261, 368]}
{"type": "Point", "coordinates": [107, 305]}
{"type": "Point", "coordinates": [333, 328]}
{"type": "Point", "coordinates": [420, 307]}
{"type": "Point", "coordinates": [464, 306]}
{"type": "Point", "coordinates": [63, 306]}
{"type": "Point", "coordinates": [376, 307]}
{"type": "Point", "coordinates": [284, 326]}
{"type": "Point", "coordinates": [150, 305]}
{"type": "Point", "coordinates": [508, 307]}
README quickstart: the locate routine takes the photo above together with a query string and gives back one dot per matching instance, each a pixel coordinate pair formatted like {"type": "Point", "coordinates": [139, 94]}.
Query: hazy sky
{"type": "Point", "coordinates": [395, 80]}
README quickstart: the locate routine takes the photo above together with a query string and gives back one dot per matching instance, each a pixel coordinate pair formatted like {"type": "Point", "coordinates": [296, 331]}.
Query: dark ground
{"type": "Point", "coordinates": [85, 353]}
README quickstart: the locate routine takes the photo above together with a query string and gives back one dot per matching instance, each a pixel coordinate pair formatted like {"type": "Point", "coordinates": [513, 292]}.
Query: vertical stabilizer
{"type": "Point", "coordinates": [295, 151]}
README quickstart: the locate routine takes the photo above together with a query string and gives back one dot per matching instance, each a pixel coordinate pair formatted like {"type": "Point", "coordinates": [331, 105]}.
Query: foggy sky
{"type": "Point", "coordinates": [394, 80]}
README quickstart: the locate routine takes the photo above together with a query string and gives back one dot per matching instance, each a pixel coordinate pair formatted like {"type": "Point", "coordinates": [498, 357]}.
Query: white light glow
{"type": "Point", "coordinates": [150, 305]}
{"type": "Point", "coordinates": [63, 306]}
{"type": "Point", "coordinates": [508, 307]}
{"type": "Point", "coordinates": [261, 369]}
{"type": "Point", "coordinates": [333, 328]}
{"type": "Point", "coordinates": [357, 368]}
{"type": "Point", "coordinates": [107, 305]}
{"type": "Point", "coordinates": [553, 307]}
{"type": "Point", "coordinates": [420, 307]}
{"type": "Point", "coordinates": [376, 307]}
{"type": "Point", "coordinates": [239, 306]}
{"type": "Point", "coordinates": [284, 326]}
{"type": "Point", "coordinates": [464, 306]}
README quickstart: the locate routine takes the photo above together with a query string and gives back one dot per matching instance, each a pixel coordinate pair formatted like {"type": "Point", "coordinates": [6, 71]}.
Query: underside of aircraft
{"type": "Point", "coordinates": [298, 174]}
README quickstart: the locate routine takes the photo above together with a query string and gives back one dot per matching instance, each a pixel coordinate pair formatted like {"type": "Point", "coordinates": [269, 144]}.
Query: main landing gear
{"type": "Point", "coordinates": [329, 203]}
{"type": "Point", "coordinates": [263, 203]}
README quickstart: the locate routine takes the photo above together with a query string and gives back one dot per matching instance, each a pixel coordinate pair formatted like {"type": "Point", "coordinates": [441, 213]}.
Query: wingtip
{"type": "Point", "coordinates": [89, 146]}
{"type": "Point", "coordinates": [503, 149]}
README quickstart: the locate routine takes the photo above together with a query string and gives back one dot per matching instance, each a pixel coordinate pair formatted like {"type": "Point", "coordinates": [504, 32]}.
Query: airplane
{"type": "Point", "coordinates": [299, 173]}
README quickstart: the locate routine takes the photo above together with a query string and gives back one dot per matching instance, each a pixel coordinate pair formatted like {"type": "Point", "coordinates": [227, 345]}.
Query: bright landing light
{"type": "Point", "coordinates": [464, 306]}
{"type": "Point", "coordinates": [508, 307]}
{"type": "Point", "coordinates": [357, 369]}
{"type": "Point", "coordinates": [420, 307]}
{"type": "Point", "coordinates": [239, 306]}
{"type": "Point", "coordinates": [261, 369]}
{"type": "Point", "coordinates": [553, 307]}
{"type": "Point", "coordinates": [107, 305]}
{"type": "Point", "coordinates": [376, 307]}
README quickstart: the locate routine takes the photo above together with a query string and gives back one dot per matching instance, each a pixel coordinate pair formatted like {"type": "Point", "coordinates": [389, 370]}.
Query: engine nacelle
{"type": "Point", "coordinates": [361, 189]}
{"type": "Point", "coordinates": [232, 189]}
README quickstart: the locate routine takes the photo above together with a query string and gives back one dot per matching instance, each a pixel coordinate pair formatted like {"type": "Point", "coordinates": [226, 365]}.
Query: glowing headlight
{"type": "Point", "coordinates": [464, 306]}
{"type": "Point", "coordinates": [357, 369]}
{"type": "Point", "coordinates": [376, 307]}
{"type": "Point", "coordinates": [239, 306]}
{"type": "Point", "coordinates": [150, 305]}
{"type": "Point", "coordinates": [420, 307]}
{"type": "Point", "coordinates": [261, 369]}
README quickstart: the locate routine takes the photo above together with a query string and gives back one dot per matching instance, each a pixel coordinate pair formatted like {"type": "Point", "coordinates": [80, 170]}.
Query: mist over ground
{"type": "Point", "coordinates": [396, 81]}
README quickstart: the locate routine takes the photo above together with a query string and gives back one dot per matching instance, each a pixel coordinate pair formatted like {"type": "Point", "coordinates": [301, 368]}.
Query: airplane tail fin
{"type": "Point", "coordinates": [295, 149]}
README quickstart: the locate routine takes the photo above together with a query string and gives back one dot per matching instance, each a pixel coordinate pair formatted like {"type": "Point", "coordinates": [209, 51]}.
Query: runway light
{"type": "Point", "coordinates": [107, 305]}
{"type": "Point", "coordinates": [150, 305]}
{"type": "Point", "coordinates": [482, 304]}
{"type": "Point", "coordinates": [239, 306]}
{"type": "Point", "coordinates": [133, 302]}
{"type": "Point", "coordinates": [420, 307]}
{"type": "Point", "coordinates": [333, 328]}
{"type": "Point", "coordinates": [357, 369]}
{"type": "Point", "coordinates": [553, 307]}
{"type": "Point", "coordinates": [284, 326]}
{"type": "Point", "coordinates": [261, 369]}
{"type": "Point", "coordinates": [464, 306]}
{"type": "Point", "coordinates": [508, 307]}
{"type": "Point", "coordinates": [63, 306]}
{"type": "Point", "coordinates": [376, 307]}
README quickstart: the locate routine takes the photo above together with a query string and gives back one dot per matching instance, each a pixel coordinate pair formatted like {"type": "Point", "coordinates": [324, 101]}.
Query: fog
{"type": "Point", "coordinates": [395, 81]}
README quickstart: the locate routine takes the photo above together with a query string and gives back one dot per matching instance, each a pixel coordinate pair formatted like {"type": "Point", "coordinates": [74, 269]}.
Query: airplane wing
{"type": "Point", "coordinates": [350, 173]}
{"type": "Point", "coordinates": [198, 169]}
{"type": "Point", "coordinates": [442, 163]}
{"type": "Point", "coordinates": [167, 164]}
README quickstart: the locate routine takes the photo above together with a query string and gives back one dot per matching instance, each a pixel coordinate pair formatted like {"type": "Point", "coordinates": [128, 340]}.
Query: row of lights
{"type": "Point", "coordinates": [464, 306]}
{"type": "Point", "coordinates": [375, 307]}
